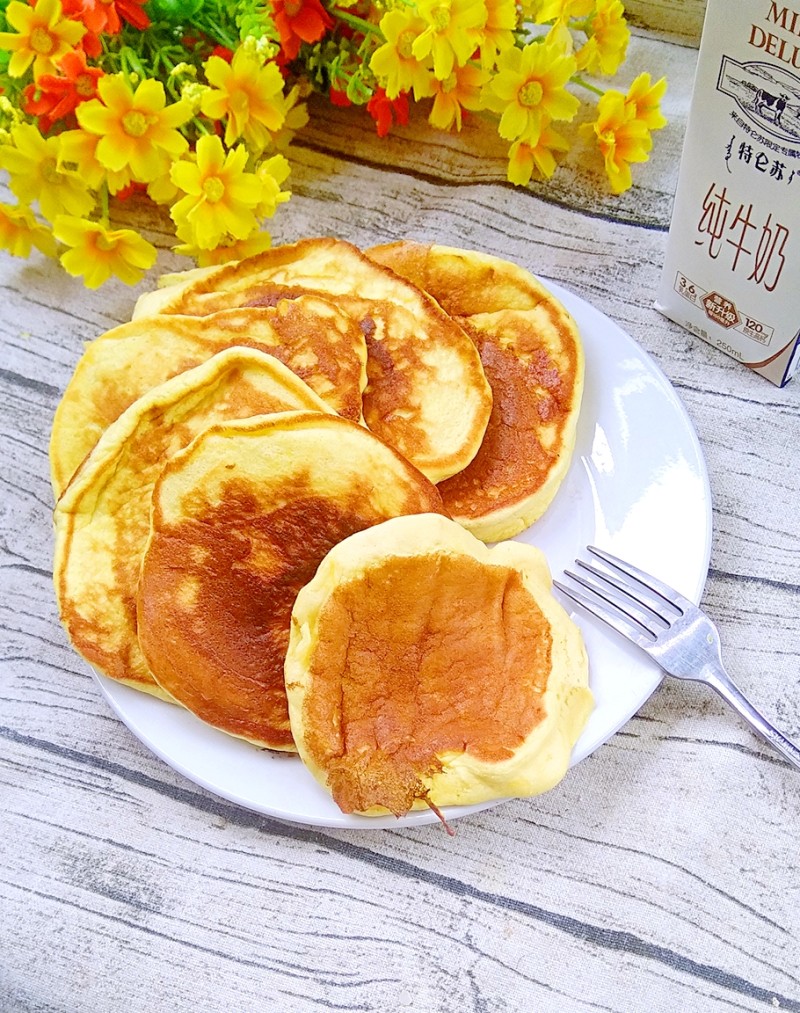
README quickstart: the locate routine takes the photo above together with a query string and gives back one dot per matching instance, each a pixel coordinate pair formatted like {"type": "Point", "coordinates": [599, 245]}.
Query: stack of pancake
{"type": "Point", "coordinates": [273, 487]}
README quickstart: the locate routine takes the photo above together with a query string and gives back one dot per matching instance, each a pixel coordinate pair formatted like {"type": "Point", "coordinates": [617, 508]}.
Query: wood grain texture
{"type": "Point", "coordinates": [662, 875]}
{"type": "Point", "coordinates": [678, 20]}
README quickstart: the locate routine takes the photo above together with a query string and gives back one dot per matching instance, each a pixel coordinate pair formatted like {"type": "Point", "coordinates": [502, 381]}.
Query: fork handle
{"type": "Point", "coordinates": [729, 691]}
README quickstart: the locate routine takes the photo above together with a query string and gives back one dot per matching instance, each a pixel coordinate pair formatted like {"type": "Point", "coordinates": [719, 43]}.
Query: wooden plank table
{"type": "Point", "coordinates": [662, 874]}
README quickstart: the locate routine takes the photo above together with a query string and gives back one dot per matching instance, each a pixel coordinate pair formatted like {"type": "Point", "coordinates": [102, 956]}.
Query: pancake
{"type": "Point", "coordinates": [103, 519]}
{"type": "Point", "coordinates": [532, 356]}
{"type": "Point", "coordinates": [426, 393]}
{"type": "Point", "coordinates": [241, 519]}
{"type": "Point", "coordinates": [318, 342]}
{"type": "Point", "coordinates": [427, 669]}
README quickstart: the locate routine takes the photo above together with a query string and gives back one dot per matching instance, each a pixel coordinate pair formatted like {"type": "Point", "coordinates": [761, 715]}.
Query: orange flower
{"type": "Point", "coordinates": [299, 21]}
{"type": "Point", "coordinates": [338, 98]}
{"type": "Point", "coordinates": [104, 17]}
{"type": "Point", "coordinates": [54, 96]}
{"type": "Point", "coordinates": [385, 110]}
{"type": "Point", "coordinates": [96, 251]}
{"type": "Point", "coordinates": [42, 36]}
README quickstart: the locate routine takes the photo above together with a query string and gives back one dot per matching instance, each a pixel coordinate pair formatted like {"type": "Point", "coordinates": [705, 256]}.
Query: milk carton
{"type": "Point", "coordinates": [732, 270]}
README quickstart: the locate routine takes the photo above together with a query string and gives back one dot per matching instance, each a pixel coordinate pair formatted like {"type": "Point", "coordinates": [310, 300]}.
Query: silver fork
{"type": "Point", "coordinates": [668, 627]}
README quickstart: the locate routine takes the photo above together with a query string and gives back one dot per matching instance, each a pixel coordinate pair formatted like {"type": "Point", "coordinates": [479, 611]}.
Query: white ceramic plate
{"type": "Point", "coordinates": [637, 486]}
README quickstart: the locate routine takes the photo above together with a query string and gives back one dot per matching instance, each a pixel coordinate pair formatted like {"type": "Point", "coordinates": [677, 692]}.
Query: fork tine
{"type": "Point", "coordinates": [628, 629]}
{"type": "Point", "coordinates": [664, 591]}
{"type": "Point", "coordinates": [652, 605]}
{"type": "Point", "coordinates": [607, 590]}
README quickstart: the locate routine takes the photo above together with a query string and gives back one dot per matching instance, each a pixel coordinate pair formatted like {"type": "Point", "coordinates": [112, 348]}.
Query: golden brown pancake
{"type": "Point", "coordinates": [103, 519]}
{"type": "Point", "coordinates": [241, 519]}
{"type": "Point", "coordinates": [426, 393]}
{"type": "Point", "coordinates": [318, 342]}
{"type": "Point", "coordinates": [532, 356]}
{"type": "Point", "coordinates": [426, 669]}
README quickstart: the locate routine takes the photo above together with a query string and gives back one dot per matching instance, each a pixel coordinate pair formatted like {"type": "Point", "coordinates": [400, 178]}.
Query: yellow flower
{"type": "Point", "coordinates": [43, 36]}
{"type": "Point", "coordinates": [449, 33]}
{"type": "Point", "coordinates": [296, 119]}
{"type": "Point", "coordinates": [608, 39]}
{"type": "Point", "coordinates": [272, 172]}
{"type": "Point", "coordinates": [462, 90]}
{"type": "Point", "coordinates": [96, 251]}
{"type": "Point", "coordinates": [137, 130]}
{"type": "Point", "coordinates": [394, 63]}
{"type": "Point", "coordinates": [563, 10]}
{"type": "Point", "coordinates": [645, 99]}
{"type": "Point", "coordinates": [249, 94]}
{"type": "Point", "coordinates": [162, 190]}
{"type": "Point", "coordinates": [19, 231]}
{"type": "Point", "coordinates": [527, 156]}
{"type": "Point", "coordinates": [77, 152]}
{"type": "Point", "coordinates": [32, 162]}
{"type": "Point", "coordinates": [228, 249]}
{"type": "Point", "coordinates": [220, 196]}
{"type": "Point", "coordinates": [529, 89]}
{"type": "Point", "coordinates": [621, 137]}
{"type": "Point", "coordinates": [497, 34]}
{"type": "Point", "coordinates": [193, 94]}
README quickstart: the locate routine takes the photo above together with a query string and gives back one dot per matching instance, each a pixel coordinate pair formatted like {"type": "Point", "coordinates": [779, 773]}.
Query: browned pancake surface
{"type": "Point", "coordinates": [102, 521]}
{"type": "Point", "coordinates": [533, 388]}
{"type": "Point", "coordinates": [420, 658]}
{"type": "Point", "coordinates": [318, 342]}
{"type": "Point", "coordinates": [461, 283]}
{"type": "Point", "coordinates": [426, 393]}
{"type": "Point", "coordinates": [232, 547]}
{"type": "Point", "coordinates": [531, 356]}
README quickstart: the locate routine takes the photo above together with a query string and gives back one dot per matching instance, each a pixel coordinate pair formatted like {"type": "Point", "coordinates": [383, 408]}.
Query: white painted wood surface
{"type": "Point", "coordinates": [662, 875]}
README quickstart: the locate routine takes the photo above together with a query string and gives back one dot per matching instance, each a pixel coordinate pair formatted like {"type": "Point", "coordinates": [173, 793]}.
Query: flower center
{"type": "Point", "coordinates": [41, 41]}
{"type": "Point", "coordinates": [530, 94]}
{"type": "Point", "coordinates": [134, 123]}
{"type": "Point", "coordinates": [292, 8]}
{"type": "Point", "coordinates": [441, 17]}
{"type": "Point", "coordinates": [449, 83]}
{"type": "Point", "coordinates": [85, 85]}
{"type": "Point", "coordinates": [50, 173]}
{"type": "Point", "coordinates": [104, 243]}
{"type": "Point", "coordinates": [404, 43]}
{"type": "Point", "coordinates": [213, 189]}
{"type": "Point", "coordinates": [240, 103]}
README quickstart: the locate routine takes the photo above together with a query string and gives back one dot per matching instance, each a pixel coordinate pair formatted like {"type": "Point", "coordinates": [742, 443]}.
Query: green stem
{"type": "Point", "coordinates": [217, 32]}
{"type": "Point", "coordinates": [104, 205]}
{"type": "Point", "coordinates": [365, 27]}
{"type": "Point", "coordinates": [577, 79]}
{"type": "Point", "coordinates": [130, 58]}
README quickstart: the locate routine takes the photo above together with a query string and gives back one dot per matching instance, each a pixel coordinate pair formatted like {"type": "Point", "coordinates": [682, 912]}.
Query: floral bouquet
{"type": "Point", "coordinates": [195, 102]}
